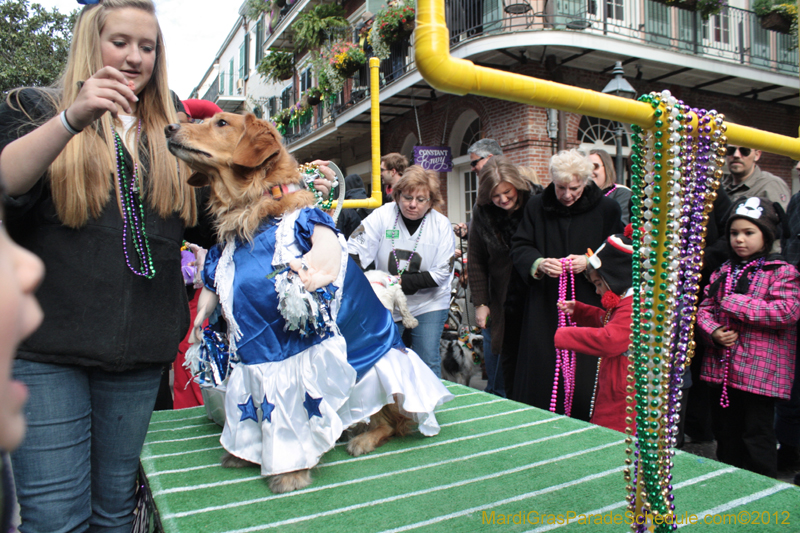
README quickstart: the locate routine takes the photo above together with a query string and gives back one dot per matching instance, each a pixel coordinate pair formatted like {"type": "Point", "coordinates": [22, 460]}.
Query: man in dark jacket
{"type": "Point", "coordinates": [349, 219]}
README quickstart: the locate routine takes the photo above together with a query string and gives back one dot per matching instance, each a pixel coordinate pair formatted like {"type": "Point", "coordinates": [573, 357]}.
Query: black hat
{"type": "Point", "coordinates": [612, 261]}
{"type": "Point", "coordinates": [760, 212]}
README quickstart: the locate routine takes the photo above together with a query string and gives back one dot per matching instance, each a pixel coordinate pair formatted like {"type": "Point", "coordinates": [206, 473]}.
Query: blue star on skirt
{"type": "Point", "coordinates": [312, 406]}
{"type": "Point", "coordinates": [248, 410]}
{"type": "Point", "coordinates": [266, 409]}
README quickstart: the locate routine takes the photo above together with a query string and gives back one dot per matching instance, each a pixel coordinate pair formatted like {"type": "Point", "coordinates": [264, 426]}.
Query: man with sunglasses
{"type": "Point", "coordinates": [746, 179]}
{"type": "Point", "coordinates": [481, 151]}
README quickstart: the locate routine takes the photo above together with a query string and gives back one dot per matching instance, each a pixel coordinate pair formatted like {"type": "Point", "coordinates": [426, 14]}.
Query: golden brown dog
{"type": "Point", "coordinates": [245, 164]}
{"type": "Point", "coordinates": [242, 159]}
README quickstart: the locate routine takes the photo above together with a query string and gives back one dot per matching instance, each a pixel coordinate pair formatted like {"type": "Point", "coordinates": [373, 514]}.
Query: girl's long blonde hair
{"type": "Point", "coordinates": [84, 173]}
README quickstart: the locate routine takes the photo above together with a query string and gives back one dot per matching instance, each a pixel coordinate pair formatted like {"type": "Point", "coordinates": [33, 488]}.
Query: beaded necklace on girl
{"type": "Point", "coordinates": [735, 273]}
{"type": "Point", "coordinates": [133, 213]}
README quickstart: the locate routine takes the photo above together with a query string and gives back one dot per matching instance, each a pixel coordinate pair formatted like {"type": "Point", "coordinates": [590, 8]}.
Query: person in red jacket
{"type": "Point", "coordinates": [185, 392]}
{"type": "Point", "coordinates": [605, 333]}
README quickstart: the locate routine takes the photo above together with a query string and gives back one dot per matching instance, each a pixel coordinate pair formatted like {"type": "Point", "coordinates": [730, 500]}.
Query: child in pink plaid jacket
{"type": "Point", "coordinates": [748, 319]}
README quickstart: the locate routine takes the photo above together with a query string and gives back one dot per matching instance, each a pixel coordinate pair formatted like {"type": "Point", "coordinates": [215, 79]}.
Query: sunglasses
{"type": "Point", "coordinates": [474, 162]}
{"type": "Point", "coordinates": [744, 151]}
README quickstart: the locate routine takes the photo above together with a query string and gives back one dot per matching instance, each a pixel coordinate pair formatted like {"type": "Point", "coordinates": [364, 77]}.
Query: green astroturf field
{"type": "Point", "coordinates": [496, 465]}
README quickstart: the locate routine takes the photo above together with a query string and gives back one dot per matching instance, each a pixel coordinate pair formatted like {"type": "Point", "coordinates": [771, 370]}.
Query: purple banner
{"type": "Point", "coordinates": [438, 158]}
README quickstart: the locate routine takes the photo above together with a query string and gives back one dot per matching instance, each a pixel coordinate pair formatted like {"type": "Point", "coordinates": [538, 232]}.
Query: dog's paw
{"type": "Point", "coordinates": [290, 481]}
{"type": "Point", "coordinates": [361, 444]}
{"type": "Point", "coordinates": [231, 461]}
{"type": "Point", "coordinates": [410, 322]}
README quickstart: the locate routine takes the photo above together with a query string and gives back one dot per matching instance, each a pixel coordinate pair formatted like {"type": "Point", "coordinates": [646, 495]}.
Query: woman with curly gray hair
{"type": "Point", "coordinates": [557, 228]}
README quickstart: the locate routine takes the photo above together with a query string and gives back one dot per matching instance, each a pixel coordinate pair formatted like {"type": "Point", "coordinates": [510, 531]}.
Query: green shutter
{"type": "Point", "coordinates": [259, 41]}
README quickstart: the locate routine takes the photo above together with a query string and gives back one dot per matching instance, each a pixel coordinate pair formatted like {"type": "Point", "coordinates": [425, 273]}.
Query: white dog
{"type": "Point", "coordinates": [391, 295]}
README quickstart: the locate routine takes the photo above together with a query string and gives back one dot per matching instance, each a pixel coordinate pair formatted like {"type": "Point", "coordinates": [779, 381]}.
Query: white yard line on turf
{"type": "Point", "coordinates": [623, 503]}
{"type": "Point", "coordinates": [470, 405]}
{"type": "Point", "coordinates": [151, 457]}
{"type": "Point", "coordinates": [181, 470]}
{"type": "Point", "coordinates": [193, 426]}
{"type": "Point", "coordinates": [441, 488]}
{"type": "Point", "coordinates": [181, 439]}
{"type": "Point", "coordinates": [739, 502]}
{"type": "Point", "coordinates": [198, 417]}
{"type": "Point", "coordinates": [493, 415]}
{"type": "Point", "coordinates": [521, 497]}
{"type": "Point", "coordinates": [459, 459]}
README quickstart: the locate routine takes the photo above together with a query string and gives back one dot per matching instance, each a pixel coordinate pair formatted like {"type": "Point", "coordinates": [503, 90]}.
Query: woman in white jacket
{"type": "Point", "coordinates": [411, 240]}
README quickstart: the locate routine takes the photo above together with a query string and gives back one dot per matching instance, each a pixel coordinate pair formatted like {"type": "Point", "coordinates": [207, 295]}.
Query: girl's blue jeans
{"type": "Point", "coordinates": [76, 469]}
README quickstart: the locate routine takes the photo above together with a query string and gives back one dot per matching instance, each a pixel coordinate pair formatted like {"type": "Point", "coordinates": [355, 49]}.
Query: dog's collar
{"type": "Point", "coordinates": [279, 191]}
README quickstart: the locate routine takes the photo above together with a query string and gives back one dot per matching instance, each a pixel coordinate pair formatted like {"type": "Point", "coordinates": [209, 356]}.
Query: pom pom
{"type": "Point", "coordinates": [609, 300]}
{"type": "Point", "coordinates": [628, 231]}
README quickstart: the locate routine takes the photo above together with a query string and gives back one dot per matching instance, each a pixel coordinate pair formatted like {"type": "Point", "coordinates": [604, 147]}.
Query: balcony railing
{"type": "Point", "coordinates": [274, 24]}
{"type": "Point", "coordinates": [734, 35]}
{"type": "Point", "coordinates": [213, 91]}
{"type": "Point", "coordinates": [399, 62]}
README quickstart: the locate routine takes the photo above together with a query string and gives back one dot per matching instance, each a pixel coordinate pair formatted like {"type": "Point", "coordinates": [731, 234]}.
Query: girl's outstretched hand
{"type": "Point", "coordinates": [725, 336]}
{"type": "Point", "coordinates": [107, 91]}
{"type": "Point", "coordinates": [567, 307]}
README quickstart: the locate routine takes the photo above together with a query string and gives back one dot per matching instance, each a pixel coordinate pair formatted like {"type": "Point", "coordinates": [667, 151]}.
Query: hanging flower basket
{"type": "Point", "coordinates": [395, 23]}
{"type": "Point", "coordinates": [776, 22]}
{"type": "Point", "coordinates": [313, 96]}
{"type": "Point", "coordinates": [282, 117]}
{"type": "Point", "coordinates": [706, 8]}
{"type": "Point", "coordinates": [777, 16]}
{"type": "Point", "coordinates": [346, 58]}
{"type": "Point", "coordinates": [277, 66]}
{"type": "Point", "coordinates": [689, 5]}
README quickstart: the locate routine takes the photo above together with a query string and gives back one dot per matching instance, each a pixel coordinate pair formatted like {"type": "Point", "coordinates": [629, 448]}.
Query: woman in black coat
{"type": "Point", "coordinates": [569, 217]}
{"type": "Point", "coordinates": [502, 195]}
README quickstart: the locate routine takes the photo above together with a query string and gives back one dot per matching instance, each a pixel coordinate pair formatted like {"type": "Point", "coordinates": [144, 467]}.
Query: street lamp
{"type": "Point", "coordinates": [619, 86]}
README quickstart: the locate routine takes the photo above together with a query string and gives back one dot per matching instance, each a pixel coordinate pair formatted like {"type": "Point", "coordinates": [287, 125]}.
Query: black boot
{"type": "Point", "coordinates": [788, 458]}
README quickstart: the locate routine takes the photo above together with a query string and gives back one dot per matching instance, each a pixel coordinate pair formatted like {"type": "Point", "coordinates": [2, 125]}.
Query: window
{"type": "Point", "coordinates": [305, 79]}
{"type": "Point", "coordinates": [470, 193]}
{"type": "Point", "coordinates": [472, 134]}
{"type": "Point", "coordinates": [230, 78]}
{"type": "Point", "coordinates": [222, 82]}
{"type": "Point", "coordinates": [286, 97]}
{"type": "Point", "coordinates": [717, 28]}
{"type": "Point", "coordinates": [593, 130]}
{"type": "Point", "coordinates": [272, 104]}
{"type": "Point", "coordinates": [470, 177]}
{"type": "Point", "coordinates": [257, 111]}
{"type": "Point", "coordinates": [614, 9]}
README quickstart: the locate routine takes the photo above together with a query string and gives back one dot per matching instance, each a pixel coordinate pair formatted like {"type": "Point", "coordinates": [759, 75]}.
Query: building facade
{"type": "Point", "coordinates": [727, 62]}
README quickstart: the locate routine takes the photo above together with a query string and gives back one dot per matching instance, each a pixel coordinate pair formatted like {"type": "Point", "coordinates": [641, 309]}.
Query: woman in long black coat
{"type": "Point", "coordinates": [569, 217]}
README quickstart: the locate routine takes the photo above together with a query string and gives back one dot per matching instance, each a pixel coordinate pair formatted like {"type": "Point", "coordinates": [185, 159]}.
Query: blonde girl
{"type": "Point", "coordinates": [93, 191]}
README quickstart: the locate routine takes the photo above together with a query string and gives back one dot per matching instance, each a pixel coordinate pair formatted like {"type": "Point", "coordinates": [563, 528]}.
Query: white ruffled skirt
{"type": "Point", "coordinates": [315, 398]}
